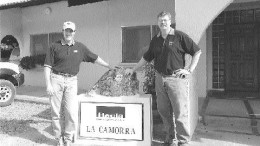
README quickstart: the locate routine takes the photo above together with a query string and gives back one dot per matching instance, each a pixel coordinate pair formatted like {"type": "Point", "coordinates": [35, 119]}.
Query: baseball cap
{"type": "Point", "coordinates": [69, 24]}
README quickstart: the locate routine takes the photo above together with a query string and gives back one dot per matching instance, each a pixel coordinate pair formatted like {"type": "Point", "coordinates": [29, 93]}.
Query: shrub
{"type": "Point", "coordinates": [30, 62]}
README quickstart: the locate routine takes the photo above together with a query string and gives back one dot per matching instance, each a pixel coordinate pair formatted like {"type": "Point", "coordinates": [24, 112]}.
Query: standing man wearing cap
{"type": "Point", "coordinates": [61, 67]}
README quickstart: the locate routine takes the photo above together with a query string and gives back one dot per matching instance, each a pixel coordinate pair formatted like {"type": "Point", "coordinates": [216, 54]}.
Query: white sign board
{"type": "Point", "coordinates": [117, 121]}
{"type": "Point", "coordinates": [111, 120]}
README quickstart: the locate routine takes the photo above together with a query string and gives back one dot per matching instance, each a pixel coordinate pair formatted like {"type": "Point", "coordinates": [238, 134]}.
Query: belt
{"type": "Point", "coordinates": [63, 74]}
{"type": "Point", "coordinates": [173, 75]}
{"type": "Point", "coordinates": [162, 74]}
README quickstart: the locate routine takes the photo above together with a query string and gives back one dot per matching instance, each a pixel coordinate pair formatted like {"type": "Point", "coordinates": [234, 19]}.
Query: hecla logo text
{"type": "Point", "coordinates": [110, 113]}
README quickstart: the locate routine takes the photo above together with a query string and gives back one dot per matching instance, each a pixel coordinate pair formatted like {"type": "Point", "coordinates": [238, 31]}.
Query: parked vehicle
{"type": "Point", "coordinates": [10, 78]}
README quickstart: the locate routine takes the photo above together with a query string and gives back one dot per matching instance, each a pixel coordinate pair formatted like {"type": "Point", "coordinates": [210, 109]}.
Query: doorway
{"type": "Point", "coordinates": [241, 58]}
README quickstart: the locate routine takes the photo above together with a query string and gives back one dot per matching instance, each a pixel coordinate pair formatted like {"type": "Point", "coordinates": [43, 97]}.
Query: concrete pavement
{"type": "Point", "coordinates": [224, 122]}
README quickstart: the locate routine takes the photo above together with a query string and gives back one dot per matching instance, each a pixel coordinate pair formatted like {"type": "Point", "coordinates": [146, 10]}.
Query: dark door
{"type": "Point", "coordinates": [241, 57]}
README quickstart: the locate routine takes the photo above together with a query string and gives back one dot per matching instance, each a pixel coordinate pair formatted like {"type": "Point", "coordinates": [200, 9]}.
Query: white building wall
{"type": "Point", "coordinates": [194, 17]}
{"type": "Point", "coordinates": [98, 27]}
{"type": "Point", "coordinates": [10, 23]}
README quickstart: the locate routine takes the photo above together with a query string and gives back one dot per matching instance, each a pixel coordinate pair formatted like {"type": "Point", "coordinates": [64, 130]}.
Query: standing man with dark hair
{"type": "Point", "coordinates": [61, 67]}
{"type": "Point", "coordinates": [168, 50]}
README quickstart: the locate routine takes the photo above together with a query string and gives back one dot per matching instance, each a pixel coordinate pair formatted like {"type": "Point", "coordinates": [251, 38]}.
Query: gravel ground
{"type": "Point", "coordinates": [25, 124]}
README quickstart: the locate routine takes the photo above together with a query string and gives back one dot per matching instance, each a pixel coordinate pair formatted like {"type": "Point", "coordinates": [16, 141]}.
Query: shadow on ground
{"type": "Point", "coordinates": [23, 129]}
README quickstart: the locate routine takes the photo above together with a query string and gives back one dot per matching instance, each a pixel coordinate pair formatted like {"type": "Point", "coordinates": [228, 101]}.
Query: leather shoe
{"type": "Point", "coordinates": [182, 144]}
{"type": "Point", "coordinates": [166, 143]}
{"type": "Point", "coordinates": [169, 144]}
{"type": "Point", "coordinates": [60, 142]}
{"type": "Point", "coordinates": [67, 143]}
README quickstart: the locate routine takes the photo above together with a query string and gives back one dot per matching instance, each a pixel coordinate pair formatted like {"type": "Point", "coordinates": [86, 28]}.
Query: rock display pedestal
{"type": "Point", "coordinates": [116, 111]}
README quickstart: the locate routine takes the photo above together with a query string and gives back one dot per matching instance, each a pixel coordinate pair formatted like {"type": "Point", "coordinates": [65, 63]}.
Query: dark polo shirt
{"type": "Point", "coordinates": [63, 58]}
{"type": "Point", "coordinates": [169, 54]}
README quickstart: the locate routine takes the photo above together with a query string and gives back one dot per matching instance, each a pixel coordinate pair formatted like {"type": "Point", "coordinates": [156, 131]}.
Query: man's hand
{"type": "Point", "coordinates": [129, 71]}
{"type": "Point", "coordinates": [182, 73]}
{"type": "Point", "coordinates": [50, 90]}
{"type": "Point", "coordinates": [113, 67]}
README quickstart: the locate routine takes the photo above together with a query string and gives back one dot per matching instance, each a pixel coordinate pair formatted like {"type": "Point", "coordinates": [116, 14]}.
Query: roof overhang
{"type": "Point", "coordinates": [81, 2]}
{"type": "Point", "coordinates": [24, 3]}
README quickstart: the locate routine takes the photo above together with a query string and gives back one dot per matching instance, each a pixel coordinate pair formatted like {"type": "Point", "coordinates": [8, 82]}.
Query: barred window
{"type": "Point", "coordinates": [40, 42]}
{"type": "Point", "coordinates": [136, 41]}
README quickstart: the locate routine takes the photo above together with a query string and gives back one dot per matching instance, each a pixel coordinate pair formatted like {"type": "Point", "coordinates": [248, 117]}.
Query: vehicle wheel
{"type": "Point", "coordinates": [7, 92]}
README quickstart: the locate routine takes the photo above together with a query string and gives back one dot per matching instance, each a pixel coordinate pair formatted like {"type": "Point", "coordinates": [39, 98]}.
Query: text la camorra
{"type": "Point", "coordinates": [110, 130]}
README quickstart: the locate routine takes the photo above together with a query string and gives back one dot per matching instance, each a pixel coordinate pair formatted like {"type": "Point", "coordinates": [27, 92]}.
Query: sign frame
{"type": "Point", "coordinates": [144, 100]}
{"type": "Point", "coordinates": [114, 104]}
